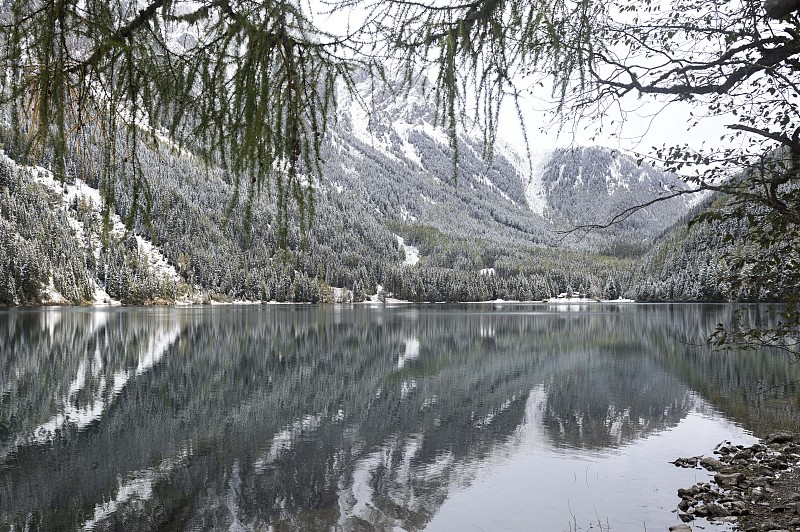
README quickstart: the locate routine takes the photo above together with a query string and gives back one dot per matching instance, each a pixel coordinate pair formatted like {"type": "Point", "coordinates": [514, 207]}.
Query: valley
{"type": "Point", "coordinates": [390, 219]}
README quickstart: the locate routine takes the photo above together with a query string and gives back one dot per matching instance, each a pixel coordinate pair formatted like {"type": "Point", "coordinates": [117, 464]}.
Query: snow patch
{"type": "Point", "coordinates": [342, 295]}
{"type": "Point", "coordinates": [156, 261]}
{"type": "Point", "coordinates": [362, 129]}
{"type": "Point", "coordinates": [406, 215]}
{"type": "Point", "coordinates": [535, 193]}
{"type": "Point", "coordinates": [402, 129]}
{"type": "Point", "coordinates": [51, 296]}
{"type": "Point", "coordinates": [490, 184]}
{"type": "Point", "coordinates": [411, 252]}
{"type": "Point", "coordinates": [80, 192]}
{"type": "Point", "coordinates": [695, 199]}
{"type": "Point", "coordinates": [615, 179]}
{"type": "Point", "coordinates": [380, 294]}
{"type": "Point", "coordinates": [426, 199]}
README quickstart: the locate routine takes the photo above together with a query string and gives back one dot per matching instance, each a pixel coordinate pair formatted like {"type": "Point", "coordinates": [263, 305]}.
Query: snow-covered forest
{"type": "Point", "coordinates": [390, 220]}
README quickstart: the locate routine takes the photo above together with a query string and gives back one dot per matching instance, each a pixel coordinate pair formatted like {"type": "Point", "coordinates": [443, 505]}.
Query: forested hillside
{"type": "Point", "coordinates": [390, 219]}
{"type": "Point", "coordinates": [708, 261]}
{"type": "Point", "coordinates": [592, 185]}
{"type": "Point", "coordinates": [51, 249]}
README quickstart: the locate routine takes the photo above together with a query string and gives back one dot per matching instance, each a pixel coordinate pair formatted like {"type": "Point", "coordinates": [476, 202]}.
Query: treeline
{"type": "Point", "coordinates": [706, 261]}
{"type": "Point", "coordinates": [347, 247]}
{"type": "Point", "coordinates": [369, 195]}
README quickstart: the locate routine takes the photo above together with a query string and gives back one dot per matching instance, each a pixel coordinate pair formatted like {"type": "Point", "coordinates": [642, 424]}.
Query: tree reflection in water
{"type": "Point", "coordinates": [304, 417]}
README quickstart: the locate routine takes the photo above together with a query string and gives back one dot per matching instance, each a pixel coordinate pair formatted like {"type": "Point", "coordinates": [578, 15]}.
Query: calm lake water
{"type": "Point", "coordinates": [475, 417]}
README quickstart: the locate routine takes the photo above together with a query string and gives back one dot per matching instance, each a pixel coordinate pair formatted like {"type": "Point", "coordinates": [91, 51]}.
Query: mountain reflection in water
{"type": "Point", "coordinates": [320, 418]}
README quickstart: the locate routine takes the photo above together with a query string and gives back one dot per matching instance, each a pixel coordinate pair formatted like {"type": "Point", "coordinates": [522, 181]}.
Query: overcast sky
{"type": "Point", "coordinates": [634, 126]}
{"type": "Point", "coordinates": [646, 123]}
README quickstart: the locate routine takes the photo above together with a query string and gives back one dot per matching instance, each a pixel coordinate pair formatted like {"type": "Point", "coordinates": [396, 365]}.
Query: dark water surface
{"type": "Point", "coordinates": [475, 417]}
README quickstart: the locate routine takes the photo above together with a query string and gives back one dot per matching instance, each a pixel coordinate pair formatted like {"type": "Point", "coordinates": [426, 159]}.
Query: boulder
{"type": "Point", "coordinates": [711, 463]}
{"type": "Point", "coordinates": [728, 481]}
{"type": "Point", "coordinates": [716, 510]}
{"type": "Point", "coordinates": [780, 437]}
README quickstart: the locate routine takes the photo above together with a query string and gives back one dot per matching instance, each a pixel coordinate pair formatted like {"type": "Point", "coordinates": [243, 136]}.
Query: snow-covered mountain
{"type": "Point", "coordinates": [593, 185]}
{"type": "Point", "coordinates": [389, 219]}
{"type": "Point", "coordinates": [388, 149]}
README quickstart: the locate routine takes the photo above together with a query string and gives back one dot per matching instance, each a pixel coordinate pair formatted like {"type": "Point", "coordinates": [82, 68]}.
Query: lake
{"type": "Point", "coordinates": [437, 417]}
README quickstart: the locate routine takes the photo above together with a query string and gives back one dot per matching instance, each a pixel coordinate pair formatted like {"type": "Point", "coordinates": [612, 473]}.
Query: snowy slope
{"type": "Point", "coordinates": [387, 149]}
{"type": "Point", "coordinates": [531, 172]}
{"type": "Point", "coordinates": [591, 185]}
{"type": "Point", "coordinates": [78, 191]}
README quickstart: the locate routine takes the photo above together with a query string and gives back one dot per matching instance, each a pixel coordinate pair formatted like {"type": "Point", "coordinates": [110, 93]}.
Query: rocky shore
{"type": "Point", "coordinates": [757, 488]}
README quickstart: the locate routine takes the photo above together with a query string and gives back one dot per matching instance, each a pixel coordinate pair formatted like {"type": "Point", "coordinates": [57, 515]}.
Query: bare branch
{"type": "Point", "coordinates": [627, 213]}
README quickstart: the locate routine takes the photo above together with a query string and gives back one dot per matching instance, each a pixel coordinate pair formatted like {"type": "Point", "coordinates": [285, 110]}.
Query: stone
{"type": "Point", "coordinates": [716, 510]}
{"type": "Point", "coordinates": [777, 463]}
{"type": "Point", "coordinates": [727, 481]}
{"type": "Point", "coordinates": [686, 462]}
{"type": "Point", "coordinates": [680, 528]}
{"type": "Point", "coordinates": [780, 437]}
{"type": "Point", "coordinates": [685, 517]}
{"type": "Point", "coordinates": [684, 505]}
{"type": "Point", "coordinates": [711, 463]}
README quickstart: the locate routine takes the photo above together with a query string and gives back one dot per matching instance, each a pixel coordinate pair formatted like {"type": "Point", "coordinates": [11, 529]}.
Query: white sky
{"type": "Point", "coordinates": [646, 122]}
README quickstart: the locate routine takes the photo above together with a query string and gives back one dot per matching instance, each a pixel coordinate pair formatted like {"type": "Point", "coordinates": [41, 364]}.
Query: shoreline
{"type": "Point", "coordinates": [373, 303]}
{"type": "Point", "coordinates": [755, 488]}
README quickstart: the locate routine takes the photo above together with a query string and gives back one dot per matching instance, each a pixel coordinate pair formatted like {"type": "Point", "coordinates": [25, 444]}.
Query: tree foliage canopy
{"type": "Point", "coordinates": [249, 85]}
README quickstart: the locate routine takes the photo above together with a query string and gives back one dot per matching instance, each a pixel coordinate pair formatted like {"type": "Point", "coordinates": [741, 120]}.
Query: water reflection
{"type": "Point", "coordinates": [311, 418]}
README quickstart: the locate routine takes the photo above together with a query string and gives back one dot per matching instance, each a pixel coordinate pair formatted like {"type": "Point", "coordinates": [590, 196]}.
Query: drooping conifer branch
{"type": "Point", "coordinates": [253, 94]}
